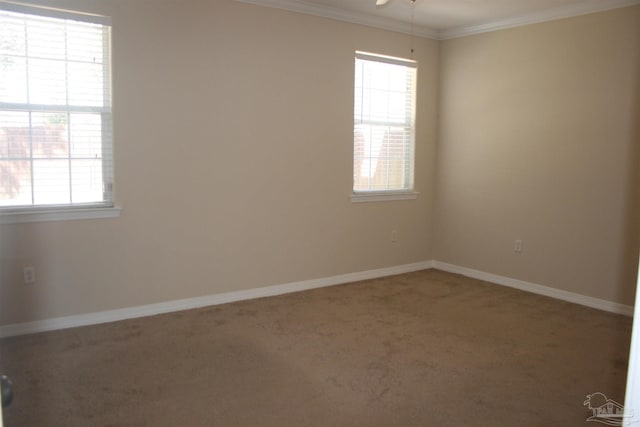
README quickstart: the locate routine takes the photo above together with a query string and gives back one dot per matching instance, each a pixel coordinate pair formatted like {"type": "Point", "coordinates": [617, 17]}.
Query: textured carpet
{"type": "Point", "coordinates": [420, 349]}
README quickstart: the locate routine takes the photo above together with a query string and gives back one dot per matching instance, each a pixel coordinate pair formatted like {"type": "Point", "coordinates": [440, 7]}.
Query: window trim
{"type": "Point", "coordinates": [53, 12]}
{"type": "Point", "coordinates": [408, 193]}
{"type": "Point", "coordinates": [383, 196]}
{"type": "Point", "coordinates": [92, 210]}
{"type": "Point", "coordinates": [65, 213]}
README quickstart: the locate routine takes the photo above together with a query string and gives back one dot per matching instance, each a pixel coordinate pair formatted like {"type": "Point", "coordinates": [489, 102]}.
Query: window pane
{"type": "Point", "coordinates": [381, 158]}
{"type": "Point", "coordinates": [13, 79]}
{"type": "Point", "coordinates": [15, 182]}
{"type": "Point", "coordinates": [15, 166]}
{"type": "Point", "coordinates": [86, 136]}
{"type": "Point", "coordinates": [86, 180]}
{"type": "Point", "coordinates": [47, 82]}
{"type": "Point", "coordinates": [14, 135]}
{"type": "Point", "coordinates": [51, 182]}
{"type": "Point", "coordinates": [45, 38]}
{"type": "Point", "coordinates": [397, 107]}
{"type": "Point", "coordinates": [13, 71]}
{"type": "Point", "coordinates": [49, 135]}
{"type": "Point", "coordinates": [12, 34]}
{"type": "Point", "coordinates": [84, 42]}
{"type": "Point", "coordinates": [85, 84]}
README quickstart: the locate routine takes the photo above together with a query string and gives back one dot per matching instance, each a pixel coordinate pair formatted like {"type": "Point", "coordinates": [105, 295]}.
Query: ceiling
{"type": "Point", "coordinates": [443, 19]}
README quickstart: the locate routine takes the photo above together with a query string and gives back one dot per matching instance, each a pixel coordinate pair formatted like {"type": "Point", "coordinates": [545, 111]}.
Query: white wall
{"type": "Point", "coordinates": [539, 141]}
{"type": "Point", "coordinates": [233, 160]}
{"type": "Point", "coordinates": [233, 143]}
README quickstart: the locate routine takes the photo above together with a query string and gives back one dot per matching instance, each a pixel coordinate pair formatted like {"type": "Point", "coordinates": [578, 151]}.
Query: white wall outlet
{"type": "Point", "coordinates": [394, 236]}
{"type": "Point", "coordinates": [518, 246]}
{"type": "Point", "coordinates": [29, 274]}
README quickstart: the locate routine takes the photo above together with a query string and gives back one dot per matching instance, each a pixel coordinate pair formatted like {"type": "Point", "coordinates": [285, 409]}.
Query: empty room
{"type": "Point", "coordinates": [319, 212]}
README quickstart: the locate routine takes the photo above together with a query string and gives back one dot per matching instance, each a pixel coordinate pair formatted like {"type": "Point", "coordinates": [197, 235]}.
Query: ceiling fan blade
{"type": "Point", "coordinates": [381, 2]}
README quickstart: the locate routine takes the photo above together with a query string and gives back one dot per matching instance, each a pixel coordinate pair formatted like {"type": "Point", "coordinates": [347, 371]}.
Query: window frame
{"type": "Point", "coordinates": [80, 210]}
{"type": "Point", "coordinates": [408, 192]}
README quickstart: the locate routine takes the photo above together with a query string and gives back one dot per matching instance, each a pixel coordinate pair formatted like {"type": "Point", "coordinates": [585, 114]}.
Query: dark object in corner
{"type": "Point", "coordinates": [7, 390]}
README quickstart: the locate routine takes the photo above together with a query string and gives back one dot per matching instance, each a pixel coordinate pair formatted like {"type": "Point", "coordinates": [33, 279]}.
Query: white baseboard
{"type": "Point", "coordinates": [204, 301]}
{"type": "Point", "coordinates": [223, 298]}
{"type": "Point", "coordinates": [600, 304]}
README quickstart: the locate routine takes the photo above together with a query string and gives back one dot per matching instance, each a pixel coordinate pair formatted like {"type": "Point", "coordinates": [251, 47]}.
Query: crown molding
{"type": "Point", "coordinates": [308, 8]}
{"type": "Point", "coordinates": [346, 16]}
{"type": "Point", "coordinates": [585, 8]}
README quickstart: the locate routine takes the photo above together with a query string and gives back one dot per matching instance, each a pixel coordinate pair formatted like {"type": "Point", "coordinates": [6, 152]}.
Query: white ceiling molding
{"type": "Point", "coordinates": [347, 16]}
{"type": "Point", "coordinates": [310, 8]}
{"type": "Point", "coordinates": [556, 13]}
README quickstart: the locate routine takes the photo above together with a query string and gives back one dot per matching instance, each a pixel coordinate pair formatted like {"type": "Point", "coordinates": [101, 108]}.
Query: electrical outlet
{"type": "Point", "coordinates": [29, 274]}
{"type": "Point", "coordinates": [394, 236]}
{"type": "Point", "coordinates": [518, 246]}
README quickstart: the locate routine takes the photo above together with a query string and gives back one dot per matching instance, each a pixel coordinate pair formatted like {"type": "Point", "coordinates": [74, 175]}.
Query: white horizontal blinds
{"type": "Point", "coordinates": [55, 110]}
{"type": "Point", "coordinates": [384, 123]}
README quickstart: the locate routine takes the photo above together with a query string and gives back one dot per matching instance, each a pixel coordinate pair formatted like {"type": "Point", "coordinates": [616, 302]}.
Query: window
{"type": "Point", "coordinates": [384, 126]}
{"type": "Point", "coordinates": [55, 109]}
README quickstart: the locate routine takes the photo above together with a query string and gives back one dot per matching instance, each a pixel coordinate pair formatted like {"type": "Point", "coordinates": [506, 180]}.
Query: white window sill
{"type": "Point", "coordinates": [65, 214]}
{"type": "Point", "coordinates": [375, 196]}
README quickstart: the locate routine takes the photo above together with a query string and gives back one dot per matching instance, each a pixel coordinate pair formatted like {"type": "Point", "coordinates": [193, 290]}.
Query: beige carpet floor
{"type": "Point", "coordinates": [420, 349]}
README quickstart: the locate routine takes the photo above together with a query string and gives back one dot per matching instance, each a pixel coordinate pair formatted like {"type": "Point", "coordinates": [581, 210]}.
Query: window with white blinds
{"type": "Point", "coordinates": [55, 109]}
{"type": "Point", "coordinates": [384, 124]}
